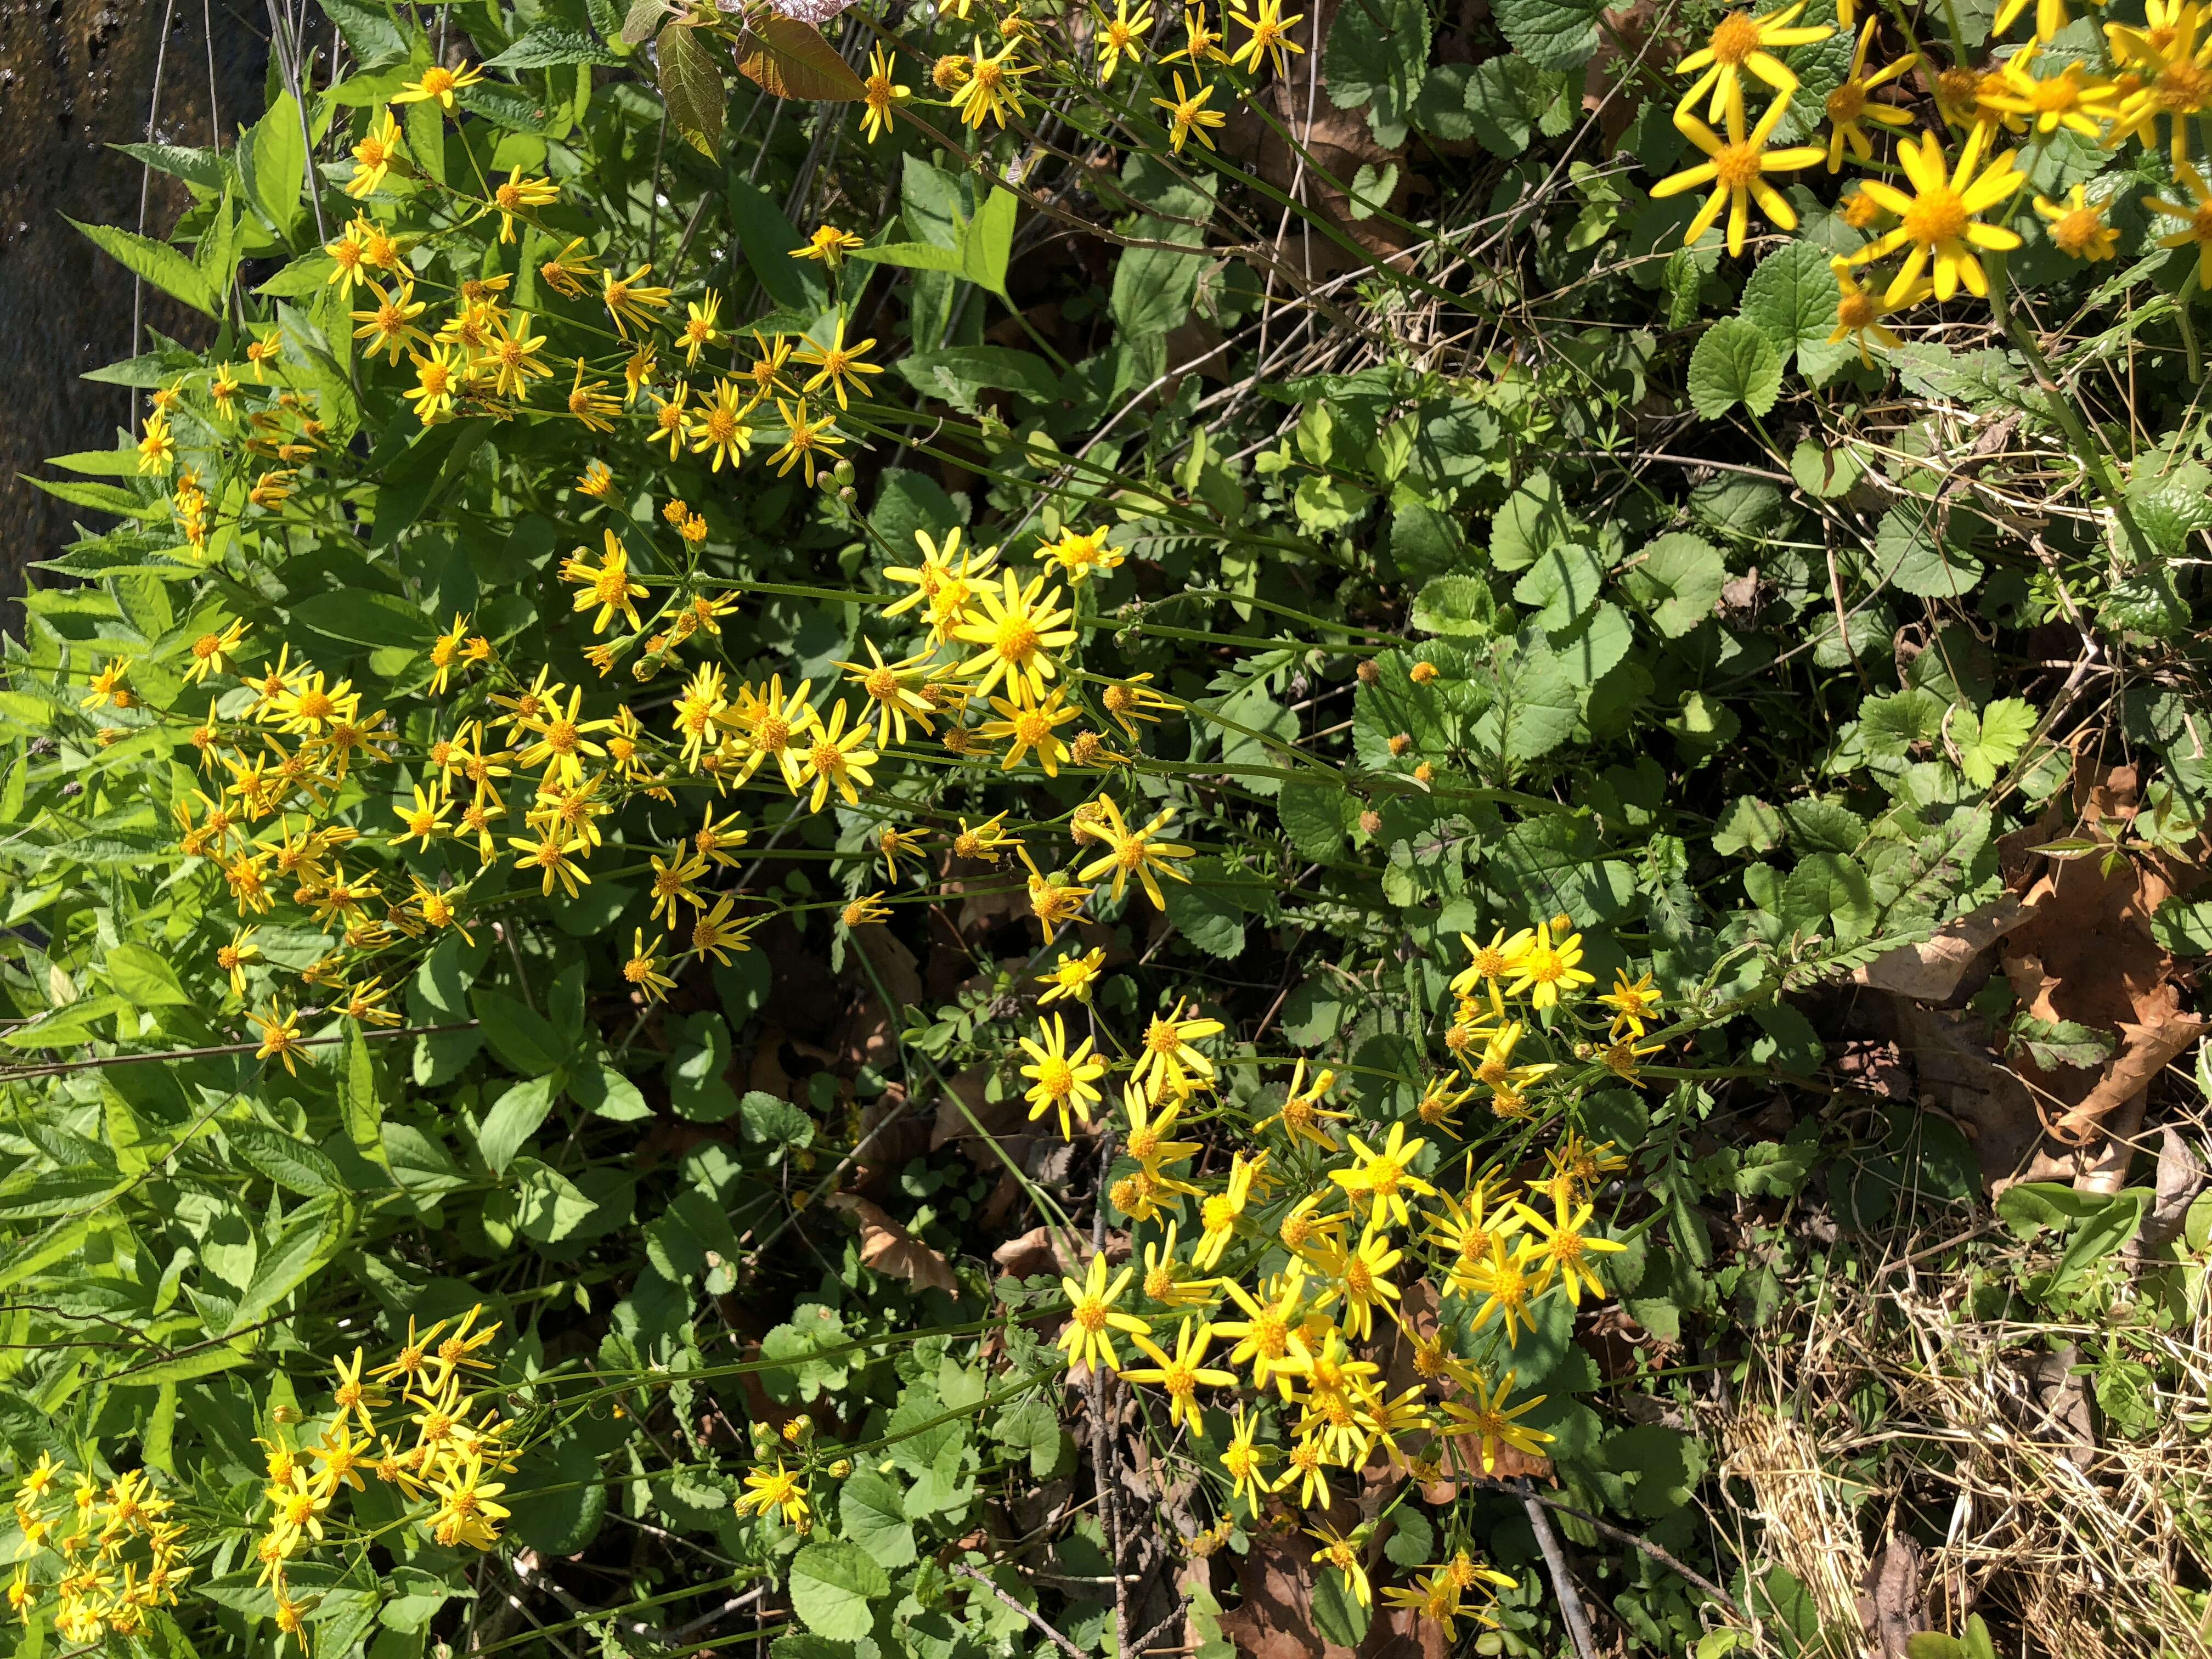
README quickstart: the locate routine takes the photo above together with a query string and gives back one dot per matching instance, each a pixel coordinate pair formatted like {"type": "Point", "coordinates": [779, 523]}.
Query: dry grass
{"type": "Point", "coordinates": [1896, 1414]}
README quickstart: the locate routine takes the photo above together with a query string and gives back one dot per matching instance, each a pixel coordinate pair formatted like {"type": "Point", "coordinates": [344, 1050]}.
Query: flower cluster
{"type": "Point", "coordinates": [109, 1556]}
{"type": "Point", "coordinates": [1947, 211]}
{"type": "Point", "coordinates": [444, 1455]}
{"type": "Point", "coordinates": [1320, 1225]}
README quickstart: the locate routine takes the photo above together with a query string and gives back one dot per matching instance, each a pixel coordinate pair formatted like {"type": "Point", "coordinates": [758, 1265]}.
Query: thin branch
{"type": "Point", "coordinates": [1555, 1563]}
{"type": "Point", "coordinates": [961, 1569]}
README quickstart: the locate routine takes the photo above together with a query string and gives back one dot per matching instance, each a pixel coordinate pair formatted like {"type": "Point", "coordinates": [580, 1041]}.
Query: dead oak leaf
{"type": "Point", "coordinates": [887, 1247]}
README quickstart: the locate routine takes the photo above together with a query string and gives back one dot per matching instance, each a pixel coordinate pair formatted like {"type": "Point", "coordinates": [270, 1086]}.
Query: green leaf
{"type": "Point", "coordinates": [1751, 826]}
{"type": "Point", "coordinates": [1910, 556]}
{"type": "Point", "coordinates": [790, 58]}
{"type": "Point", "coordinates": [292, 1165]}
{"type": "Point", "coordinates": [1563, 583]}
{"type": "Point", "coordinates": [144, 975]}
{"type": "Point", "coordinates": [202, 168]}
{"type": "Point", "coordinates": [987, 241]}
{"type": "Point", "coordinates": [831, 1584]}
{"type": "Point", "coordinates": [691, 86]}
{"type": "Point", "coordinates": [1829, 893]}
{"type": "Point", "coordinates": [767, 237]}
{"type": "Point", "coordinates": [514, 1118]}
{"type": "Point", "coordinates": [955, 373]}
{"type": "Point", "coordinates": [158, 263]}
{"type": "Point", "coordinates": [1338, 1615]}
{"type": "Point", "coordinates": [2051, 1043]}
{"type": "Point", "coordinates": [872, 1509]}
{"type": "Point", "coordinates": [1457, 607]}
{"type": "Point", "coordinates": [2183, 926]}
{"type": "Point", "coordinates": [1678, 578]}
{"type": "Point", "coordinates": [360, 1105]}
{"type": "Point", "coordinates": [642, 18]}
{"type": "Point", "coordinates": [549, 44]}
{"type": "Point", "coordinates": [277, 149]}
{"type": "Point", "coordinates": [369, 30]}
{"type": "Point", "coordinates": [1378, 54]}
{"type": "Point", "coordinates": [1999, 737]}
{"type": "Point", "coordinates": [768, 1120]}
{"type": "Point", "coordinates": [1734, 362]}
{"type": "Point", "coordinates": [1792, 300]}
{"type": "Point", "coordinates": [1553, 34]}
{"type": "Point", "coordinates": [521, 1038]}
{"type": "Point", "coordinates": [1207, 920]}
{"type": "Point", "coordinates": [309, 1240]}
{"type": "Point", "coordinates": [364, 617]}
{"type": "Point", "coordinates": [1501, 98]}
{"type": "Point", "coordinates": [1316, 817]}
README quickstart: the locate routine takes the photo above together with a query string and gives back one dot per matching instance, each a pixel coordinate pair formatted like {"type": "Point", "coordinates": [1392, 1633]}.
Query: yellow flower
{"type": "Point", "coordinates": [699, 331]}
{"type": "Point", "coordinates": [1020, 626]}
{"type": "Point", "coordinates": [390, 327]}
{"type": "Point", "coordinates": [1164, 1282]}
{"type": "Point", "coordinates": [1062, 1080]}
{"type": "Point", "coordinates": [880, 94]}
{"type": "Point", "coordinates": [867, 909]}
{"type": "Point", "coordinates": [2078, 230]}
{"type": "Point", "coordinates": [1245, 1461]}
{"type": "Point", "coordinates": [1180, 1375]}
{"type": "Point", "coordinates": [1073, 976]}
{"type": "Point", "coordinates": [631, 302]}
{"type": "Point", "coordinates": [1632, 1002]}
{"type": "Point", "coordinates": [1739, 44]}
{"type": "Point", "coordinates": [607, 584]}
{"type": "Point", "coordinates": [1488, 1421]}
{"type": "Point", "coordinates": [895, 844]}
{"type": "Point", "coordinates": [779, 1489]}
{"type": "Point", "coordinates": [596, 480]}
{"type": "Point", "coordinates": [588, 402]}
{"type": "Point", "coordinates": [1302, 1117]}
{"type": "Point", "coordinates": [1937, 222]}
{"type": "Point", "coordinates": [1358, 1275]}
{"type": "Point", "coordinates": [1340, 1552]}
{"type": "Point", "coordinates": [1270, 36]}
{"type": "Point", "coordinates": [1381, 1175]}
{"type": "Point", "coordinates": [2169, 68]}
{"type": "Point", "coordinates": [1270, 1341]}
{"type": "Point", "coordinates": [837, 363]}
{"type": "Point", "coordinates": [1507, 1285]}
{"type": "Point", "coordinates": [2196, 215]}
{"type": "Point", "coordinates": [714, 932]}
{"type": "Point", "coordinates": [1220, 1213]}
{"type": "Point", "coordinates": [374, 156]}
{"type": "Point", "coordinates": [1052, 901]}
{"type": "Point", "coordinates": [515, 193]}
{"type": "Point", "coordinates": [1736, 168]}
{"type": "Point", "coordinates": [1851, 102]}
{"type": "Point", "coordinates": [1858, 309]}
{"type": "Point", "coordinates": [1168, 1057]}
{"type": "Point", "coordinates": [2068, 99]}
{"type": "Point", "coordinates": [992, 89]}
{"type": "Point", "coordinates": [280, 1036]}
{"type": "Point", "coordinates": [1121, 36]}
{"type": "Point", "coordinates": [1092, 1317]}
{"type": "Point", "coordinates": [1563, 1243]}
{"type": "Point", "coordinates": [836, 759]}
{"type": "Point", "coordinates": [1187, 114]}
{"type": "Point", "coordinates": [438, 84]}
{"type": "Point", "coordinates": [811, 441]}
{"type": "Point", "coordinates": [720, 427]}
{"type": "Point", "coordinates": [830, 245]}
{"type": "Point", "coordinates": [642, 970]}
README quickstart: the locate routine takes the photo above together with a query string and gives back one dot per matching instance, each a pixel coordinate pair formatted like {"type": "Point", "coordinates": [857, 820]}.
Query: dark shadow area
{"type": "Point", "coordinates": [76, 76]}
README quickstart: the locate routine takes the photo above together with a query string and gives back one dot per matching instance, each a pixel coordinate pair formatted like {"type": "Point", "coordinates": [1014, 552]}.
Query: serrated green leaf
{"type": "Point", "coordinates": [1734, 362]}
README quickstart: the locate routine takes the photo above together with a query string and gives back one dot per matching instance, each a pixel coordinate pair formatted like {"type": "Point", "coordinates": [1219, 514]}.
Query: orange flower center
{"type": "Point", "coordinates": [1735, 39]}
{"type": "Point", "coordinates": [1938, 216]}
{"type": "Point", "coordinates": [1736, 166]}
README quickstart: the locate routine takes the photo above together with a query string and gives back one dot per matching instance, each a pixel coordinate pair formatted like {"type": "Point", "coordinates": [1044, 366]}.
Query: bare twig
{"type": "Point", "coordinates": [1570, 1602]}
{"type": "Point", "coordinates": [961, 1569]}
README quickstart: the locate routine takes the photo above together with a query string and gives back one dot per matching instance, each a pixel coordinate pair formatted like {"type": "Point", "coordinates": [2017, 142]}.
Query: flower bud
{"type": "Point", "coordinates": [1369, 673]}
